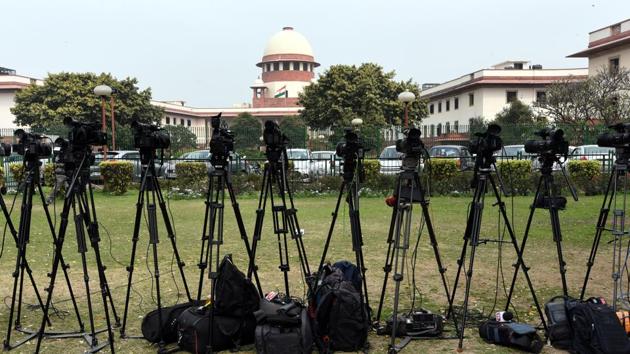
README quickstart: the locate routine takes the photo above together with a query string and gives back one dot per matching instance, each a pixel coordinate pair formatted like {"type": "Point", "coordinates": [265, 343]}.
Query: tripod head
{"type": "Point", "coordinates": [222, 143]}
{"type": "Point", "coordinates": [413, 149]}
{"type": "Point", "coordinates": [275, 141]}
{"type": "Point", "coordinates": [352, 150]}
{"type": "Point", "coordinates": [484, 147]}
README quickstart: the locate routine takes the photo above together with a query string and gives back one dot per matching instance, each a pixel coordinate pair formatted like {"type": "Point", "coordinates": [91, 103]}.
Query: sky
{"type": "Point", "coordinates": [204, 51]}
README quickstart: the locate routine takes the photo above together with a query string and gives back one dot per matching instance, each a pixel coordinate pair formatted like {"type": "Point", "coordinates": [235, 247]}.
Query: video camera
{"type": "Point", "coordinates": [5, 149]}
{"type": "Point", "coordinates": [273, 137]}
{"type": "Point", "coordinates": [82, 134]}
{"type": "Point", "coordinates": [412, 145]}
{"type": "Point", "coordinates": [31, 144]}
{"type": "Point", "coordinates": [149, 136]}
{"type": "Point", "coordinates": [350, 148]}
{"type": "Point", "coordinates": [552, 143]}
{"type": "Point", "coordinates": [619, 139]}
{"type": "Point", "coordinates": [222, 142]}
{"type": "Point", "coordinates": [487, 142]}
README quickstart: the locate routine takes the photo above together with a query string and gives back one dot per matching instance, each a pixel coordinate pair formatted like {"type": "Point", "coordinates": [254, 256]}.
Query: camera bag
{"type": "Point", "coordinates": [340, 321]}
{"type": "Point", "coordinates": [227, 332]}
{"type": "Point", "coordinates": [235, 294]}
{"type": "Point", "coordinates": [283, 328]}
{"type": "Point", "coordinates": [511, 334]}
{"type": "Point", "coordinates": [596, 329]}
{"type": "Point", "coordinates": [560, 333]}
{"type": "Point", "coordinates": [151, 324]}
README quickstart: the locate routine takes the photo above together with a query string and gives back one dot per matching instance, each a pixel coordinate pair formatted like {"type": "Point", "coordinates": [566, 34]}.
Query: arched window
{"type": "Point", "coordinates": [439, 129]}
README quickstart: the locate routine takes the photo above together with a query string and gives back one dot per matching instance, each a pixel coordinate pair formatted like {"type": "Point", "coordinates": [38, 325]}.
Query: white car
{"type": "Point", "coordinates": [390, 161]}
{"type": "Point", "coordinates": [325, 163]}
{"type": "Point", "coordinates": [301, 161]}
{"type": "Point", "coordinates": [605, 155]}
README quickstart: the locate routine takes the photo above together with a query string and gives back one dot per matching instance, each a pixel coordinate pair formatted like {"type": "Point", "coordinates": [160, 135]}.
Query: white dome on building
{"type": "Point", "coordinates": [288, 41]}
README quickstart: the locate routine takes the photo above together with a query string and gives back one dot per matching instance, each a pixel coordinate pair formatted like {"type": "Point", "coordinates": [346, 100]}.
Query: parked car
{"type": "Point", "coordinates": [301, 161]}
{"type": "Point", "coordinates": [325, 163]}
{"type": "Point", "coordinates": [132, 156]}
{"type": "Point", "coordinates": [605, 155]}
{"type": "Point", "coordinates": [237, 164]}
{"type": "Point", "coordinates": [460, 154]}
{"type": "Point", "coordinates": [390, 160]}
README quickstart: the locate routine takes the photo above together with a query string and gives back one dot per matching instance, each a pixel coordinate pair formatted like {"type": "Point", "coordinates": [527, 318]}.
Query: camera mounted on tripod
{"type": "Point", "coordinates": [549, 150]}
{"type": "Point", "coordinates": [619, 139]}
{"type": "Point", "coordinates": [351, 150]}
{"type": "Point", "coordinates": [31, 145]}
{"type": "Point", "coordinates": [275, 141]}
{"type": "Point", "coordinates": [148, 136]}
{"type": "Point", "coordinates": [222, 142]}
{"type": "Point", "coordinates": [412, 147]}
{"type": "Point", "coordinates": [485, 144]}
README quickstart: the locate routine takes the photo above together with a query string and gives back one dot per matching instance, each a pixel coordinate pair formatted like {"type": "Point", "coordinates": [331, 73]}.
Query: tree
{"type": "Point", "coordinates": [515, 114]}
{"type": "Point", "coordinates": [345, 92]}
{"type": "Point", "coordinates": [567, 101]}
{"type": "Point", "coordinates": [295, 129]}
{"type": "Point", "coordinates": [71, 95]}
{"type": "Point", "coordinates": [247, 130]}
{"type": "Point", "coordinates": [181, 138]}
{"type": "Point", "coordinates": [477, 124]}
{"type": "Point", "coordinates": [610, 95]}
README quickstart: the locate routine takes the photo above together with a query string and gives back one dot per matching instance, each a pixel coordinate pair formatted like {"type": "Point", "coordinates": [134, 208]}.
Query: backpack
{"type": "Point", "coordinates": [283, 328]}
{"type": "Point", "coordinates": [227, 332]}
{"type": "Point", "coordinates": [511, 334]}
{"type": "Point", "coordinates": [235, 294]}
{"type": "Point", "coordinates": [560, 333]}
{"type": "Point", "coordinates": [340, 321]}
{"type": "Point", "coordinates": [151, 326]}
{"type": "Point", "coordinates": [596, 329]}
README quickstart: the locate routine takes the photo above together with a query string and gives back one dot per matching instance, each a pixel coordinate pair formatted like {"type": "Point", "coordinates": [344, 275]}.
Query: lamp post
{"type": "Point", "coordinates": [406, 97]}
{"type": "Point", "coordinates": [103, 91]}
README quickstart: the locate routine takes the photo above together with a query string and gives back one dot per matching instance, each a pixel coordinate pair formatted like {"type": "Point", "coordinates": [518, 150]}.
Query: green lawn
{"type": "Point", "coordinates": [448, 215]}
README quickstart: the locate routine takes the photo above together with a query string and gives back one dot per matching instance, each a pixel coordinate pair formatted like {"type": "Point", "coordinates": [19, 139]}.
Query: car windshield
{"type": "Point", "coordinates": [441, 151]}
{"type": "Point", "coordinates": [596, 150]}
{"type": "Point", "coordinates": [390, 153]}
{"type": "Point", "coordinates": [512, 151]}
{"type": "Point", "coordinates": [322, 155]}
{"type": "Point", "coordinates": [198, 155]}
{"type": "Point", "coordinates": [297, 154]}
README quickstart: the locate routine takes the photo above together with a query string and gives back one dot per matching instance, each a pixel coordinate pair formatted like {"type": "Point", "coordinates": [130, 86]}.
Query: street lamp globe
{"type": "Point", "coordinates": [356, 122]}
{"type": "Point", "coordinates": [406, 97]}
{"type": "Point", "coordinates": [103, 91]}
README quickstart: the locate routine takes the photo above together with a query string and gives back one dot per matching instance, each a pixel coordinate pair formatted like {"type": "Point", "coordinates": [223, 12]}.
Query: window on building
{"type": "Point", "coordinates": [189, 123]}
{"type": "Point", "coordinates": [440, 107]}
{"type": "Point", "coordinates": [431, 108]}
{"type": "Point", "coordinates": [541, 96]}
{"type": "Point", "coordinates": [276, 66]}
{"type": "Point", "coordinates": [613, 65]}
{"type": "Point", "coordinates": [424, 130]}
{"type": "Point", "coordinates": [511, 96]}
{"type": "Point", "coordinates": [432, 129]}
{"type": "Point", "coordinates": [181, 121]}
{"type": "Point", "coordinates": [456, 103]}
{"type": "Point", "coordinates": [456, 126]}
{"type": "Point", "coordinates": [439, 129]}
{"type": "Point", "coordinates": [448, 127]}
{"type": "Point", "coordinates": [168, 120]}
{"type": "Point", "coordinates": [471, 99]}
{"type": "Point", "coordinates": [518, 66]}
{"type": "Point", "coordinates": [296, 65]}
{"type": "Point", "coordinates": [285, 65]}
{"type": "Point", "coordinates": [448, 105]}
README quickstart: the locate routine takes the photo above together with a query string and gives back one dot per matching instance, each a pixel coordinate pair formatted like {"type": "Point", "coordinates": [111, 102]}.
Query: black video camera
{"type": "Point", "coordinates": [5, 149]}
{"type": "Point", "coordinates": [31, 144]}
{"type": "Point", "coordinates": [619, 139]}
{"type": "Point", "coordinates": [222, 142]}
{"type": "Point", "coordinates": [149, 136]}
{"type": "Point", "coordinates": [351, 145]}
{"type": "Point", "coordinates": [552, 143]}
{"type": "Point", "coordinates": [487, 142]}
{"type": "Point", "coordinates": [273, 137]}
{"type": "Point", "coordinates": [412, 145]}
{"type": "Point", "coordinates": [82, 134]}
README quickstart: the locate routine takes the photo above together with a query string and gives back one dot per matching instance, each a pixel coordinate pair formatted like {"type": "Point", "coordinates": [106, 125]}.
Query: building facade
{"type": "Point", "coordinates": [608, 48]}
{"type": "Point", "coordinates": [486, 92]}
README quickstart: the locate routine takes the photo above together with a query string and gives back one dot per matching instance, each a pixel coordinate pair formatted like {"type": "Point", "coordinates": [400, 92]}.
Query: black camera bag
{"type": "Point", "coordinates": [283, 328]}
{"type": "Point", "coordinates": [340, 322]}
{"type": "Point", "coordinates": [596, 329]}
{"type": "Point", "coordinates": [560, 332]}
{"type": "Point", "coordinates": [511, 334]}
{"type": "Point", "coordinates": [151, 326]}
{"type": "Point", "coordinates": [235, 294]}
{"type": "Point", "coordinates": [227, 332]}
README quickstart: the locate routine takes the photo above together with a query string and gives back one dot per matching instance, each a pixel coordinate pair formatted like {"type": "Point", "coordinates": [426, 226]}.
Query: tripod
{"type": "Point", "coordinates": [620, 260]}
{"type": "Point", "coordinates": [284, 219]}
{"type": "Point", "coordinates": [80, 199]}
{"type": "Point", "coordinates": [408, 191]}
{"type": "Point", "coordinates": [483, 177]}
{"type": "Point", "coordinates": [545, 198]}
{"type": "Point", "coordinates": [212, 235]}
{"type": "Point", "coordinates": [22, 238]}
{"type": "Point", "coordinates": [151, 194]}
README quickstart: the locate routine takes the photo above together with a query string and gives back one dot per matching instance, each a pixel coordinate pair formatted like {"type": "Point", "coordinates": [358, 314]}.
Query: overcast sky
{"type": "Point", "coordinates": [204, 52]}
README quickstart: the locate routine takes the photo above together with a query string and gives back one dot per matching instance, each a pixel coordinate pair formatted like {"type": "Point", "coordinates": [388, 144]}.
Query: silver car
{"type": "Point", "coordinates": [301, 161]}
{"type": "Point", "coordinates": [325, 163]}
{"type": "Point", "coordinates": [132, 156]}
{"type": "Point", "coordinates": [390, 160]}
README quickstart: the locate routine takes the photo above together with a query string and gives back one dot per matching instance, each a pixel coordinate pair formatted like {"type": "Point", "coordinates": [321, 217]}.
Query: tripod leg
{"type": "Point", "coordinates": [331, 229]}
{"type": "Point", "coordinates": [609, 196]}
{"type": "Point", "coordinates": [357, 239]}
{"type": "Point", "coordinates": [82, 248]}
{"type": "Point", "coordinates": [403, 229]}
{"type": "Point", "coordinates": [557, 235]}
{"type": "Point", "coordinates": [260, 216]}
{"type": "Point", "coordinates": [387, 268]}
{"type": "Point", "coordinates": [208, 221]}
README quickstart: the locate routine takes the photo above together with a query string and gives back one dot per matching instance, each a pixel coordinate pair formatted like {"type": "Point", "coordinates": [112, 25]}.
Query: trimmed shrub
{"type": "Point", "coordinates": [587, 176]}
{"type": "Point", "coordinates": [246, 183]}
{"type": "Point", "coordinates": [191, 176]}
{"type": "Point", "coordinates": [49, 174]}
{"type": "Point", "coordinates": [516, 175]}
{"type": "Point", "coordinates": [441, 173]}
{"type": "Point", "coordinates": [116, 176]}
{"type": "Point", "coordinates": [17, 171]}
{"type": "Point", "coordinates": [371, 169]}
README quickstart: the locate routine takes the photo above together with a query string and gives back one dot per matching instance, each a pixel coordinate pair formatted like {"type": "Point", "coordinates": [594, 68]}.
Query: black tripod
{"type": "Point", "coordinates": [284, 218]}
{"type": "Point", "coordinates": [484, 164]}
{"type": "Point", "coordinates": [151, 194]}
{"type": "Point", "coordinates": [352, 175]}
{"type": "Point", "coordinates": [620, 256]}
{"type": "Point", "coordinates": [408, 191]}
{"type": "Point", "coordinates": [79, 197]}
{"type": "Point", "coordinates": [545, 198]}
{"type": "Point", "coordinates": [22, 238]}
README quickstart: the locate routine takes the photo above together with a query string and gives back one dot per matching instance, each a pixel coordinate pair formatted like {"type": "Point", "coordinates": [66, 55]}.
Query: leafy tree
{"type": "Point", "coordinates": [295, 129]}
{"type": "Point", "coordinates": [610, 95]}
{"type": "Point", "coordinates": [345, 92]}
{"type": "Point", "coordinates": [477, 124]}
{"type": "Point", "coordinates": [514, 114]}
{"type": "Point", "coordinates": [181, 138]}
{"type": "Point", "coordinates": [247, 130]}
{"type": "Point", "coordinates": [71, 95]}
{"type": "Point", "coordinates": [567, 101]}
